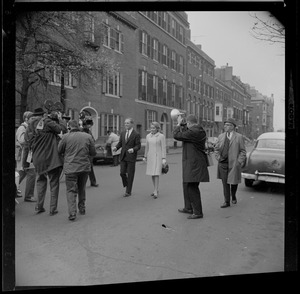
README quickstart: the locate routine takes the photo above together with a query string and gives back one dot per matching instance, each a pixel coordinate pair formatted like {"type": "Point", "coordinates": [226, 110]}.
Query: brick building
{"type": "Point", "coordinates": [161, 68]}
{"type": "Point", "coordinates": [240, 100]}
{"type": "Point", "coordinates": [200, 86]}
{"type": "Point", "coordinates": [262, 113]}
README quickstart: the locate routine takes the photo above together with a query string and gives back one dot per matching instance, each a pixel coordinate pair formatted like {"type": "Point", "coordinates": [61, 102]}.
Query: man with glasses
{"type": "Point", "coordinates": [231, 154]}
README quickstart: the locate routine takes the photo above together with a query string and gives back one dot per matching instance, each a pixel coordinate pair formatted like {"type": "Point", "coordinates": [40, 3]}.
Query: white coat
{"type": "Point", "coordinates": [155, 151]}
{"type": "Point", "coordinates": [113, 139]}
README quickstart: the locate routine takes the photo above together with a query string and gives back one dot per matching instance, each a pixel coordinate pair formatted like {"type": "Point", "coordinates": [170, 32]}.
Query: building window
{"type": "Point", "coordinates": [55, 77]}
{"type": "Point", "coordinates": [193, 58]}
{"type": "Point", "coordinates": [155, 89]}
{"type": "Point", "coordinates": [181, 65]}
{"type": "Point", "coordinates": [112, 85]}
{"type": "Point", "coordinates": [164, 20]}
{"type": "Point", "coordinates": [173, 30]}
{"type": "Point", "coordinates": [155, 16]}
{"type": "Point", "coordinates": [189, 56]}
{"type": "Point", "coordinates": [118, 40]}
{"type": "Point", "coordinates": [173, 59]}
{"type": "Point", "coordinates": [165, 91]}
{"type": "Point", "coordinates": [165, 52]}
{"type": "Point", "coordinates": [144, 43]}
{"type": "Point", "coordinates": [190, 82]}
{"type": "Point", "coordinates": [155, 49]}
{"type": "Point", "coordinates": [195, 84]}
{"type": "Point", "coordinates": [151, 116]}
{"type": "Point", "coordinates": [89, 27]}
{"type": "Point", "coordinates": [109, 122]}
{"type": "Point", "coordinates": [181, 34]}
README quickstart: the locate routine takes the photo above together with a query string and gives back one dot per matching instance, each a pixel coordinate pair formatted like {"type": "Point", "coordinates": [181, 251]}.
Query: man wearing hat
{"type": "Point", "coordinates": [42, 140]}
{"type": "Point", "coordinates": [231, 154]}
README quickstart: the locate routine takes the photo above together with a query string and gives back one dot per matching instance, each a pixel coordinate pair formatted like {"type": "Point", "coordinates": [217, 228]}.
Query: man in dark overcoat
{"type": "Point", "coordinates": [194, 164]}
{"type": "Point", "coordinates": [130, 142]}
{"type": "Point", "coordinates": [42, 136]}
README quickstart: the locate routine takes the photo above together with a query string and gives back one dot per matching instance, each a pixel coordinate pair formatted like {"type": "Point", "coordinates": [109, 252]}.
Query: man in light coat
{"type": "Point", "coordinates": [25, 168]}
{"type": "Point", "coordinates": [231, 154]}
{"type": "Point", "coordinates": [112, 142]}
{"type": "Point", "coordinates": [194, 164]}
{"type": "Point", "coordinates": [77, 147]}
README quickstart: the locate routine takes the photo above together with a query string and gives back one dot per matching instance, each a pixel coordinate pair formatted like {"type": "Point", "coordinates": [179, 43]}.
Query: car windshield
{"type": "Point", "coordinates": [270, 144]}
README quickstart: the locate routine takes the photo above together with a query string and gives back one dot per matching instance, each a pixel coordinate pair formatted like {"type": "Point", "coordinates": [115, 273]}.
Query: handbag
{"type": "Point", "coordinates": [209, 159]}
{"type": "Point", "coordinates": [165, 168]}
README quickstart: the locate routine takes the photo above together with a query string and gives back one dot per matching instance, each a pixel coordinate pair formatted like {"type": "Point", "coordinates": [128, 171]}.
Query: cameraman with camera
{"type": "Point", "coordinates": [42, 136]}
{"type": "Point", "coordinates": [87, 123]}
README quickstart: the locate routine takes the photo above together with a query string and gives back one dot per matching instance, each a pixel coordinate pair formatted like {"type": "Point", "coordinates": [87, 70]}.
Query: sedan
{"type": "Point", "coordinates": [266, 161]}
{"type": "Point", "coordinates": [104, 153]}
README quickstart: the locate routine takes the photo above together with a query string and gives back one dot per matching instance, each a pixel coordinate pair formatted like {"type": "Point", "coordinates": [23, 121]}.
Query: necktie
{"type": "Point", "coordinates": [127, 134]}
{"type": "Point", "coordinates": [225, 150]}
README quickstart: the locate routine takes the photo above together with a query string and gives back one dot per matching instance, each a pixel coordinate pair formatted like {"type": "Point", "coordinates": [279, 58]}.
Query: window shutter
{"type": "Point", "coordinates": [160, 90]}
{"type": "Point", "coordinates": [169, 93]}
{"type": "Point", "coordinates": [140, 84]}
{"type": "Point", "coordinates": [141, 40]}
{"type": "Point", "coordinates": [122, 43]}
{"type": "Point", "coordinates": [146, 120]}
{"type": "Point", "coordinates": [104, 84]}
{"type": "Point", "coordinates": [121, 85]}
{"type": "Point", "coordinates": [150, 88]}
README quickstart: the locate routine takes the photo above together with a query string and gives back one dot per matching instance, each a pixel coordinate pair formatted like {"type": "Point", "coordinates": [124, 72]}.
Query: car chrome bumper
{"type": "Point", "coordinates": [266, 177]}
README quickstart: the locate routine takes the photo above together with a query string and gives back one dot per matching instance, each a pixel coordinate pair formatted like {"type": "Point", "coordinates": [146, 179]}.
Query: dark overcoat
{"type": "Point", "coordinates": [44, 144]}
{"type": "Point", "coordinates": [194, 164]}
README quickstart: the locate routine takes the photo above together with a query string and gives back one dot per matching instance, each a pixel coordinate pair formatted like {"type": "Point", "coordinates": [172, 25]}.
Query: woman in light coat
{"type": "Point", "coordinates": [155, 155]}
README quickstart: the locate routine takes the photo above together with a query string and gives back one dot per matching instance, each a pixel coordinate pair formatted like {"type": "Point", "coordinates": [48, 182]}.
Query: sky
{"type": "Point", "coordinates": [225, 37]}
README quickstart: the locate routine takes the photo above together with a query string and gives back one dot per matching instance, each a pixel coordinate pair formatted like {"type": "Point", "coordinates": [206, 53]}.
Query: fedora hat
{"type": "Point", "coordinates": [38, 111]}
{"type": "Point", "coordinates": [231, 121]}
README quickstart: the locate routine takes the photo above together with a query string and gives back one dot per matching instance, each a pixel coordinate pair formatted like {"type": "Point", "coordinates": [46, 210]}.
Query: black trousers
{"type": "Point", "coordinates": [192, 197]}
{"type": "Point", "coordinates": [127, 170]}
{"type": "Point", "coordinates": [92, 175]}
{"type": "Point", "coordinates": [227, 188]}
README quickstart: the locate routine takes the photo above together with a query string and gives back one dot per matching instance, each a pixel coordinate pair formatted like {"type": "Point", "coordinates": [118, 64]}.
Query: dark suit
{"type": "Point", "coordinates": [128, 160]}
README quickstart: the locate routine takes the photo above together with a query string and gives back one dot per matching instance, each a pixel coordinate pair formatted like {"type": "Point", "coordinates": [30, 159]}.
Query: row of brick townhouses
{"type": "Point", "coordinates": [160, 68]}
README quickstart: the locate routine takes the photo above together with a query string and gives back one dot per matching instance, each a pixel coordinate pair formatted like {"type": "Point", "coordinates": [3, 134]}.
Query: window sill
{"type": "Point", "coordinates": [59, 85]}
{"type": "Point", "coordinates": [112, 96]}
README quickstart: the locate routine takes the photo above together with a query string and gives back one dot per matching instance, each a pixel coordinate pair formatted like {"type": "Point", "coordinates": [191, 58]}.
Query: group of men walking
{"type": "Point", "coordinates": [51, 145]}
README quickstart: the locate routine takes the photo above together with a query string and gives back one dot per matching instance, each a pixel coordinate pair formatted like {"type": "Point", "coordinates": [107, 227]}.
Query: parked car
{"type": "Point", "coordinates": [104, 153]}
{"type": "Point", "coordinates": [266, 161]}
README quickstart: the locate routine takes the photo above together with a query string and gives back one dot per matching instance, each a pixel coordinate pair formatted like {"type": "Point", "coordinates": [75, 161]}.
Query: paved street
{"type": "Point", "coordinates": [139, 238]}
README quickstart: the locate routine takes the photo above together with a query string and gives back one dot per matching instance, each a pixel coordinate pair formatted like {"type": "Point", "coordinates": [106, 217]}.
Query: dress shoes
{"type": "Point", "coordinates": [94, 185]}
{"type": "Point", "coordinates": [19, 193]}
{"type": "Point", "coordinates": [39, 210]}
{"type": "Point", "coordinates": [194, 216]}
{"type": "Point", "coordinates": [127, 194]}
{"type": "Point", "coordinates": [53, 212]}
{"type": "Point", "coordinates": [72, 217]}
{"type": "Point", "coordinates": [184, 210]}
{"type": "Point", "coordinates": [234, 201]}
{"type": "Point", "coordinates": [82, 211]}
{"type": "Point", "coordinates": [225, 204]}
{"type": "Point", "coordinates": [30, 199]}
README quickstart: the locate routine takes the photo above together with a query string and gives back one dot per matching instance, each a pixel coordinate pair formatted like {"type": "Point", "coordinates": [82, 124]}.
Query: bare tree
{"type": "Point", "coordinates": [269, 30]}
{"type": "Point", "coordinates": [64, 42]}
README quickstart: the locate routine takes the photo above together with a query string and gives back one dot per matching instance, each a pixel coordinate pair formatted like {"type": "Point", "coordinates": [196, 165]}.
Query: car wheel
{"type": "Point", "coordinates": [248, 183]}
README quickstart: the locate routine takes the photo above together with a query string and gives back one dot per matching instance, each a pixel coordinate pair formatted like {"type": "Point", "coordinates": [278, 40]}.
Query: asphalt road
{"type": "Point", "coordinates": [139, 238]}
